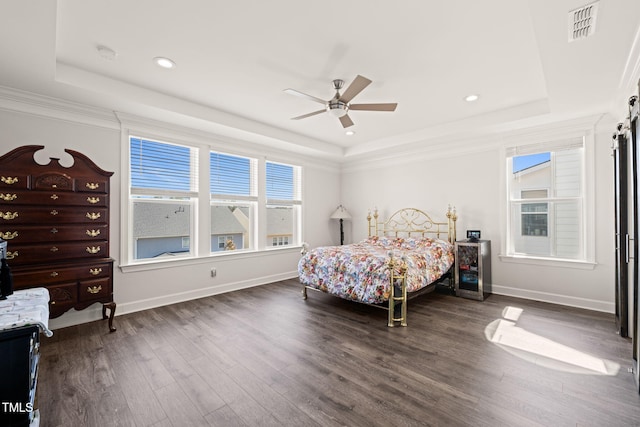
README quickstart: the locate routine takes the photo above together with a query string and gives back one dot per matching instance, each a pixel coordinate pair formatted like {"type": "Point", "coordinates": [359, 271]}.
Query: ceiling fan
{"type": "Point", "coordinates": [340, 105]}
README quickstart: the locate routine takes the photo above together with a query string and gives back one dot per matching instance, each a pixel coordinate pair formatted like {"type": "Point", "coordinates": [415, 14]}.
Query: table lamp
{"type": "Point", "coordinates": [341, 214]}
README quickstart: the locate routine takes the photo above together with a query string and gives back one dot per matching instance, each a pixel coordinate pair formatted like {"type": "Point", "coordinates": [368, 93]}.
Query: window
{"type": "Point", "coordinates": [283, 202]}
{"type": "Point", "coordinates": [233, 183]}
{"type": "Point", "coordinates": [279, 240]}
{"type": "Point", "coordinates": [546, 200]}
{"type": "Point", "coordinates": [534, 215]}
{"type": "Point", "coordinates": [254, 204]}
{"type": "Point", "coordinates": [163, 190]}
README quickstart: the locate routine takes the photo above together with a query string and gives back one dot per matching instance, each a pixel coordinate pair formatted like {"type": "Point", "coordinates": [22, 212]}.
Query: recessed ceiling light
{"type": "Point", "coordinates": [349, 133]}
{"type": "Point", "coordinates": [164, 62]}
{"type": "Point", "coordinates": [106, 52]}
{"type": "Point", "coordinates": [471, 98]}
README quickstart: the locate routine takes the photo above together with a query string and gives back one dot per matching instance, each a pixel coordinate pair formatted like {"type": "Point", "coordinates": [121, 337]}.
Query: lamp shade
{"type": "Point", "coordinates": [340, 213]}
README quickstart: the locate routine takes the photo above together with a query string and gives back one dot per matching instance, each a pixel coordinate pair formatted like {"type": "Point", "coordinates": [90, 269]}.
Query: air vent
{"type": "Point", "coordinates": [582, 21]}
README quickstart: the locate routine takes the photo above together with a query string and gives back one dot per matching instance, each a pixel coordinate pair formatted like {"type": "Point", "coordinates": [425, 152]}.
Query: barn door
{"type": "Point", "coordinates": [620, 159]}
{"type": "Point", "coordinates": [634, 124]}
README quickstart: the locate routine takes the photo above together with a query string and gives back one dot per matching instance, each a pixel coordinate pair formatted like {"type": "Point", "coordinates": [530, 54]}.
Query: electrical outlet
{"type": "Point", "coordinates": [214, 272]}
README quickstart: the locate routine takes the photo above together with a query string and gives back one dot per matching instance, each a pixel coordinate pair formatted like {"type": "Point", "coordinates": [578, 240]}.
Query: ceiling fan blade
{"type": "Point", "coordinates": [304, 116]}
{"type": "Point", "coordinates": [304, 95]}
{"type": "Point", "coordinates": [374, 107]}
{"type": "Point", "coordinates": [346, 121]}
{"type": "Point", "coordinates": [358, 84]}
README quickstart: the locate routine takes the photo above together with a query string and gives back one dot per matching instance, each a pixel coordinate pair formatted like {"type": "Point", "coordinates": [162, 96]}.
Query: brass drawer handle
{"type": "Point", "coordinates": [93, 233]}
{"type": "Point", "coordinates": [8, 197]}
{"type": "Point", "coordinates": [9, 180]}
{"type": "Point", "coordinates": [52, 303]}
{"type": "Point", "coordinates": [93, 249]}
{"type": "Point", "coordinates": [8, 215]}
{"type": "Point", "coordinates": [54, 197]}
{"type": "Point", "coordinates": [54, 212]}
{"type": "Point", "coordinates": [93, 215]}
{"type": "Point", "coordinates": [54, 249]}
{"type": "Point", "coordinates": [9, 235]}
{"type": "Point", "coordinates": [94, 289]}
{"type": "Point", "coordinates": [12, 255]}
{"type": "Point", "coordinates": [95, 271]}
{"type": "Point", "coordinates": [54, 274]}
{"type": "Point", "coordinates": [54, 231]}
{"type": "Point", "coordinates": [93, 185]}
{"type": "Point", "coordinates": [93, 200]}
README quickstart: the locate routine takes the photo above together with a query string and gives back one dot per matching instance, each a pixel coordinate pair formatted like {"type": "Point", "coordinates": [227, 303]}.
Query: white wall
{"type": "Point", "coordinates": [98, 137]}
{"type": "Point", "coordinates": [470, 179]}
{"type": "Point", "coordinates": [467, 175]}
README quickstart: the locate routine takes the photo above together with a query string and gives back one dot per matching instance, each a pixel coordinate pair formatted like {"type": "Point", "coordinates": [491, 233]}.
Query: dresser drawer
{"type": "Point", "coordinates": [94, 289]}
{"type": "Point", "coordinates": [51, 252]}
{"type": "Point", "coordinates": [62, 298]}
{"type": "Point", "coordinates": [92, 185]}
{"type": "Point", "coordinates": [16, 214]}
{"type": "Point", "coordinates": [23, 234]}
{"type": "Point", "coordinates": [51, 274]}
{"type": "Point", "coordinates": [51, 198]}
{"type": "Point", "coordinates": [13, 181]}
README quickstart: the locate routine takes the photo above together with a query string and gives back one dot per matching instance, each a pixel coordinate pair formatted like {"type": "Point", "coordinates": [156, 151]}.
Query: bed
{"type": "Point", "coordinates": [402, 257]}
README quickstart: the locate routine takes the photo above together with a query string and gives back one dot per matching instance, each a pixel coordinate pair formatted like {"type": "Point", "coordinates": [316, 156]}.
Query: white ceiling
{"type": "Point", "coordinates": [235, 58]}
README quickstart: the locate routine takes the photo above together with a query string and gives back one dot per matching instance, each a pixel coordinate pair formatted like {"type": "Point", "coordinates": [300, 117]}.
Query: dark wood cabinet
{"type": "Point", "coordinates": [19, 352]}
{"type": "Point", "coordinates": [56, 222]}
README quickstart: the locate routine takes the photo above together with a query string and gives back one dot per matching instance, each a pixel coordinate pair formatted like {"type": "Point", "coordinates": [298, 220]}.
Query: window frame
{"type": "Point", "coordinates": [294, 203]}
{"type": "Point", "coordinates": [162, 196]}
{"type": "Point", "coordinates": [587, 207]}
{"type": "Point", "coordinates": [201, 235]}
{"type": "Point", "coordinates": [250, 200]}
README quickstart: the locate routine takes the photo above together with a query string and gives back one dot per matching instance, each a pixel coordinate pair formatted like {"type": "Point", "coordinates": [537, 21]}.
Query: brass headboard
{"type": "Point", "coordinates": [411, 222]}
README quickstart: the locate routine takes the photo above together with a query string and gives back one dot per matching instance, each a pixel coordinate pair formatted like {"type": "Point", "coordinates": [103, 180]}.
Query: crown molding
{"type": "Point", "coordinates": [451, 146]}
{"type": "Point", "coordinates": [151, 128]}
{"type": "Point", "coordinates": [15, 100]}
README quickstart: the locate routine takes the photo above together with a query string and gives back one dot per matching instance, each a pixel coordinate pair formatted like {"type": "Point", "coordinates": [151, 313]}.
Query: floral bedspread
{"type": "Point", "coordinates": [360, 271]}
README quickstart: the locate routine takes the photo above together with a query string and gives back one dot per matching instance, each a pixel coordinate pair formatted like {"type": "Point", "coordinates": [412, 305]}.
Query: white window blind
{"type": "Point", "coordinates": [162, 166]}
{"type": "Point", "coordinates": [283, 183]}
{"type": "Point", "coordinates": [232, 175]}
{"type": "Point", "coordinates": [568, 144]}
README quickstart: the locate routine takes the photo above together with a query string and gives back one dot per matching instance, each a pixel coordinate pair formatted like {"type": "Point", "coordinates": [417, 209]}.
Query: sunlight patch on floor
{"type": "Point", "coordinates": [543, 351]}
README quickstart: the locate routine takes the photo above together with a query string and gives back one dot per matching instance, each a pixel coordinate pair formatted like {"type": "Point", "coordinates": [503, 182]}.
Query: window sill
{"type": "Point", "coordinates": [548, 262]}
{"type": "Point", "coordinates": [146, 265]}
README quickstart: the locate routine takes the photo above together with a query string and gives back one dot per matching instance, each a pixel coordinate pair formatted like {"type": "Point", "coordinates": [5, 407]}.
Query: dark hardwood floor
{"type": "Point", "coordinates": [263, 356]}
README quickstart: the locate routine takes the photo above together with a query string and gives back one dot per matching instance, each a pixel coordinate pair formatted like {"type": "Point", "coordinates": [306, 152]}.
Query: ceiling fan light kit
{"type": "Point", "coordinates": [337, 108]}
{"type": "Point", "coordinates": [339, 105]}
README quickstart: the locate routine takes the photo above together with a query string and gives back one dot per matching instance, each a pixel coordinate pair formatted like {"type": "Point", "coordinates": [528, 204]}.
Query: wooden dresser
{"type": "Point", "coordinates": [56, 222]}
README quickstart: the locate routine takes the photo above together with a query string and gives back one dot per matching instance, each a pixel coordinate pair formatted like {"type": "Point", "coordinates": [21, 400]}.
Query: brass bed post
{"type": "Point", "coordinates": [452, 217]}
{"type": "Point", "coordinates": [303, 252]}
{"type": "Point", "coordinates": [373, 226]}
{"type": "Point", "coordinates": [402, 276]}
